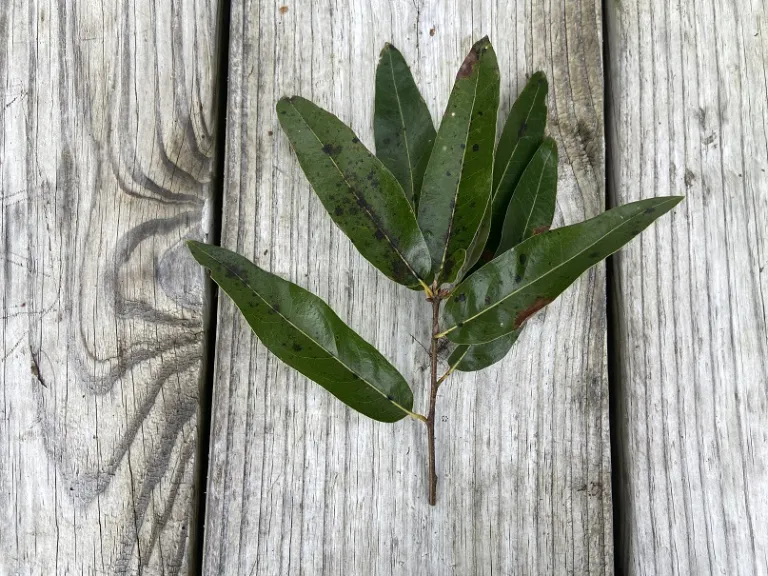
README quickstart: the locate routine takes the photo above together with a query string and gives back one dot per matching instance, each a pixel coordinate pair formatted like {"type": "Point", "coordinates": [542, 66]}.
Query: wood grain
{"type": "Point", "coordinates": [688, 114]}
{"type": "Point", "coordinates": [298, 483]}
{"type": "Point", "coordinates": [106, 156]}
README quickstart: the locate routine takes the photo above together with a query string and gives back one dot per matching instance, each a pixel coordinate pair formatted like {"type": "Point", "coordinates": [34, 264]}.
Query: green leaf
{"type": "Point", "coordinates": [477, 248]}
{"type": "Point", "coordinates": [362, 197]}
{"type": "Point", "coordinates": [457, 183]}
{"type": "Point", "coordinates": [533, 205]}
{"type": "Point", "coordinates": [504, 293]}
{"type": "Point", "coordinates": [530, 212]}
{"type": "Point", "coordinates": [519, 140]}
{"type": "Point", "coordinates": [470, 358]}
{"type": "Point", "coordinates": [402, 125]}
{"type": "Point", "coordinates": [303, 331]}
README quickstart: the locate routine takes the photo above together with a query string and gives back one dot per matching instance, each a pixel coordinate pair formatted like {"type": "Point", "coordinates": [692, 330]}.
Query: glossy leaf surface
{"type": "Point", "coordinates": [470, 358]}
{"type": "Point", "coordinates": [530, 212]}
{"type": "Point", "coordinates": [477, 248]}
{"type": "Point", "coordinates": [458, 179]}
{"type": "Point", "coordinates": [520, 137]}
{"type": "Point", "coordinates": [503, 294]}
{"type": "Point", "coordinates": [532, 207]}
{"type": "Point", "coordinates": [302, 331]}
{"type": "Point", "coordinates": [362, 197]}
{"type": "Point", "coordinates": [402, 125]}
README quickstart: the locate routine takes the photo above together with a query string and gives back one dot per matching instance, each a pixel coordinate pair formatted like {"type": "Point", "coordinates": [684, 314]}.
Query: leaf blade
{"type": "Point", "coordinates": [402, 125]}
{"type": "Point", "coordinates": [361, 196]}
{"type": "Point", "coordinates": [532, 206]}
{"type": "Point", "coordinates": [526, 278]}
{"type": "Point", "coordinates": [304, 332]}
{"type": "Point", "coordinates": [458, 178]}
{"type": "Point", "coordinates": [522, 133]}
{"type": "Point", "coordinates": [474, 357]}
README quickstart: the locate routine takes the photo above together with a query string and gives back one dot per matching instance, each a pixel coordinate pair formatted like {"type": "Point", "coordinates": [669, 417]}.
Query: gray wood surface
{"type": "Point", "coordinates": [107, 128]}
{"type": "Point", "coordinates": [298, 483]}
{"type": "Point", "coordinates": [688, 113]}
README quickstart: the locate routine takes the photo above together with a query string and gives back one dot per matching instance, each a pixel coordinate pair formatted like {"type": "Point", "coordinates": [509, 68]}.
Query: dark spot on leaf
{"type": "Point", "coordinates": [297, 348]}
{"type": "Point", "coordinates": [330, 149]}
{"type": "Point", "coordinates": [390, 397]}
{"type": "Point", "coordinates": [355, 140]}
{"type": "Point", "coordinates": [460, 298]}
{"type": "Point", "coordinates": [537, 305]}
{"type": "Point", "coordinates": [522, 130]}
{"type": "Point", "coordinates": [476, 147]}
{"type": "Point", "coordinates": [276, 307]}
{"type": "Point", "coordinates": [338, 211]}
{"type": "Point", "coordinates": [460, 324]}
{"type": "Point", "coordinates": [522, 258]}
{"type": "Point", "coordinates": [462, 146]}
{"type": "Point", "coordinates": [399, 269]}
{"type": "Point", "coordinates": [479, 112]}
{"type": "Point", "coordinates": [594, 255]}
{"type": "Point", "coordinates": [379, 235]}
{"type": "Point", "coordinates": [650, 210]}
{"type": "Point", "coordinates": [518, 278]}
{"type": "Point", "coordinates": [540, 230]}
{"type": "Point", "coordinates": [448, 173]}
{"type": "Point", "coordinates": [469, 64]}
{"type": "Point", "coordinates": [487, 300]}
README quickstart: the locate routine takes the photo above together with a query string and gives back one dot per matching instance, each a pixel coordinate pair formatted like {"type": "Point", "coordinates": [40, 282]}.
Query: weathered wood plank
{"type": "Point", "coordinates": [107, 122]}
{"type": "Point", "coordinates": [298, 483]}
{"type": "Point", "coordinates": [689, 114]}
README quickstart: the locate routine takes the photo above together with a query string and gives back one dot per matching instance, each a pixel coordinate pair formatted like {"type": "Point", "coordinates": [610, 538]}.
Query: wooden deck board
{"type": "Point", "coordinates": [688, 113]}
{"type": "Point", "coordinates": [106, 155]}
{"type": "Point", "coordinates": [298, 483]}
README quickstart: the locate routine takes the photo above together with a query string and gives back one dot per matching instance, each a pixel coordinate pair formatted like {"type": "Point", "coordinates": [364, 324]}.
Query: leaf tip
{"type": "Point", "coordinates": [539, 78]}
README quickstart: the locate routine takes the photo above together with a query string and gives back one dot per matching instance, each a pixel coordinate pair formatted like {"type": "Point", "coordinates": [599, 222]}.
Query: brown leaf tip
{"type": "Point", "coordinates": [473, 57]}
{"type": "Point", "coordinates": [537, 305]}
{"type": "Point", "coordinates": [469, 64]}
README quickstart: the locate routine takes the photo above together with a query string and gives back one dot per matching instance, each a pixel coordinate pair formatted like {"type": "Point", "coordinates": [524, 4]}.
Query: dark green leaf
{"type": "Point", "coordinates": [477, 247]}
{"type": "Point", "coordinates": [473, 357]}
{"type": "Point", "coordinates": [303, 331]}
{"type": "Point", "coordinates": [533, 205]}
{"type": "Point", "coordinates": [530, 212]}
{"type": "Point", "coordinates": [457, 183]}
{"type": "Point", "coordinates": [362, 197]}
{"type": "Point", "coordinates": [504, 293]}
{"type": "Point", "coordinates": [519, 139]}
{"type": "Point", "coordinates": [402, 125]}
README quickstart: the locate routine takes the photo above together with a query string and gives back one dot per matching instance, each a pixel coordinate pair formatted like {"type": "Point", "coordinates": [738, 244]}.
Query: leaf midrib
{"type": "Point", "coordinates": [299, 330]}
{"type": "Point", "coordinates": [354, 193]}
{"type": "Point", "coordinates": [538, 190]}
{"type": "Point", "coordinates": [521, 288]}
{"type": "Point", "coordinates": [461, 177]}
{"type": "Point", "coordinates": [514, 150]}
{"type": "Point", "coordinates": [402, 123]}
